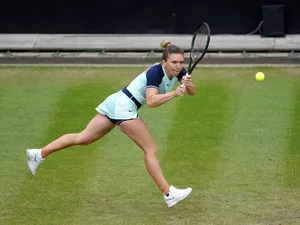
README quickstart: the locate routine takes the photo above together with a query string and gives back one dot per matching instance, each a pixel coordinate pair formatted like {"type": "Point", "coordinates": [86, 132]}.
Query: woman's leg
{"type": "Point", "coordinates": [96, 128]}
{"type": "Point", "coordinates": [137, 130]}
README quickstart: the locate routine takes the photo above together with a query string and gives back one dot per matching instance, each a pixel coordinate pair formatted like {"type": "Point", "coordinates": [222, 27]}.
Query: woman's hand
{"type": "Point", "coordinates": [187, 80]}
{"type": "Point", "coordinates": [180, 90]}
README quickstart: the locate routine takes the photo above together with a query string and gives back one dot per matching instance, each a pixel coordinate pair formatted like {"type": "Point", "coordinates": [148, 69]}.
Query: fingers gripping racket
{"type": "Point", "coordinates": [199, 46]}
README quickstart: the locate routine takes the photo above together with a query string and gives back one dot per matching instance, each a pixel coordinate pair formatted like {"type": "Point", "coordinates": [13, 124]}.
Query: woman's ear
{"type": "Point", "coordinates": [164, 63]}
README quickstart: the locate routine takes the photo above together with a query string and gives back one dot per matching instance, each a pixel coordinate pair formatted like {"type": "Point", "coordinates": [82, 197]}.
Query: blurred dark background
{"type": "Point", "coordinates": [141, 17]}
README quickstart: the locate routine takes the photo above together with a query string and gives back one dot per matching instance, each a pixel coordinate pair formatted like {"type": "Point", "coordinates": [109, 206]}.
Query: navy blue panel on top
{"type": "Point", "coordinates": [181, 74]}
{"type": "Point", "coordinates": [154, 76]}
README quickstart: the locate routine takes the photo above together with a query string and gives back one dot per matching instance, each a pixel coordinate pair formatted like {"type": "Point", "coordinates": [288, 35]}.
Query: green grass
{"type": "Point", "coordinates": [236, 142]}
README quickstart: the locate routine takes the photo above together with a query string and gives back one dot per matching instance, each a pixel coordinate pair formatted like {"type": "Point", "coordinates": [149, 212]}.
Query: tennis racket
{"type": "Point", "coordinates": [199, 46]}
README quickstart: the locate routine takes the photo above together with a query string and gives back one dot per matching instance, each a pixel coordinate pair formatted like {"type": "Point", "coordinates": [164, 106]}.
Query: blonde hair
{"type": "Point", "coordinates": [169, 49]}
{"type": "Point", "coordinates": [165, 43]}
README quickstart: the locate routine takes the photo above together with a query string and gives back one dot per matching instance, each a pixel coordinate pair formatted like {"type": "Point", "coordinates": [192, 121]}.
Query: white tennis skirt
{"type": "Point", "coordinates": [118, 106]}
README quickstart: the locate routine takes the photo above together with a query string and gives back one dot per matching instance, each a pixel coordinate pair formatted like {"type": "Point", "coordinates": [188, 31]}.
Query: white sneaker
{"type": "Point", "coordinates": [176, 195]}
{"type": "Point", "coordinates": [34, 159]}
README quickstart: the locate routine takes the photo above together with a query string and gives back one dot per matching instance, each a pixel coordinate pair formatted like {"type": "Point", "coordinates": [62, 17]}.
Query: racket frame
{"type": "Point", "coordinates": [192, 66]}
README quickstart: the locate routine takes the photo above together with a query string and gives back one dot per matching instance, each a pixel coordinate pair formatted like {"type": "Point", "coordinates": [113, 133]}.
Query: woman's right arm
{"type": "Point", "coordinates": [154, 99]}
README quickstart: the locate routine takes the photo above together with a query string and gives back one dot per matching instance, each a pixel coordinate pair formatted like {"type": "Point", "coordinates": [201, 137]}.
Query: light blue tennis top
{"type": "Point", "coordinates": [153, 77]}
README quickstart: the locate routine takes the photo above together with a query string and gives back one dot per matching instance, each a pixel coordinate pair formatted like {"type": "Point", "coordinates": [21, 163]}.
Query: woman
{"type": "Point", "coordinates": [154, 87]}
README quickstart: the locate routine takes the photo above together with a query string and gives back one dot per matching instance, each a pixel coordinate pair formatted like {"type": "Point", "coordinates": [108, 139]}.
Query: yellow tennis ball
{"type": "Point", "coordinates": [260, 76]}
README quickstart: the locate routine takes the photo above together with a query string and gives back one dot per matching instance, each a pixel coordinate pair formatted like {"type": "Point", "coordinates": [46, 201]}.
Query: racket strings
{"type": "Point", "coordinates": [200, 43]}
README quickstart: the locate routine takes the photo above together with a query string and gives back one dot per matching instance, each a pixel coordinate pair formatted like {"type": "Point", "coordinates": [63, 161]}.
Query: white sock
{"type": "Point", "coordinates": [39, 155]}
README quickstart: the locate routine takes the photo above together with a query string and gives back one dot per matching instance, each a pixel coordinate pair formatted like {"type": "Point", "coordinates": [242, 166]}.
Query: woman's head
{"type": "Point", "coordinates": [172, 58]}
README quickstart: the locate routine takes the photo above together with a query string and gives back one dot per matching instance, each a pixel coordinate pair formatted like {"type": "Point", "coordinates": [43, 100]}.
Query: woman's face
{"type": "Point", "coordinates": [174, 64]}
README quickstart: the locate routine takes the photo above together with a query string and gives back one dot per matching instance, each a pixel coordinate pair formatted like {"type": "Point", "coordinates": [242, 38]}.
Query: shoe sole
{"type": "Point", "coordinates": [174, 203]}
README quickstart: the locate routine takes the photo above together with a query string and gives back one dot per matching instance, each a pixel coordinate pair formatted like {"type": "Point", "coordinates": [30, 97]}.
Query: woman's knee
{"type": "Point", "coordinates": [83, 139]}
{"type": "Point", "coordinates": [151, 150]}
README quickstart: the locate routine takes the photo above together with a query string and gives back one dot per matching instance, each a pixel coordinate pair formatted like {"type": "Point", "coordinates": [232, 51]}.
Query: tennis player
{"type": "Point", "coordinates": [153, 87]}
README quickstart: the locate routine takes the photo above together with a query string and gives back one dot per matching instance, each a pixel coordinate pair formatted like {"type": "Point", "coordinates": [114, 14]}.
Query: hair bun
{"type": "Point", "coordinates": [165, 43]}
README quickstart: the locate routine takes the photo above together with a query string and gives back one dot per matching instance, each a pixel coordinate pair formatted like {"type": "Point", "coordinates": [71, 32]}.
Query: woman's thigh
{"type": "Point", "coordinates": [97, 128]}
{"type": "Point", "coordinates": [137, 130]}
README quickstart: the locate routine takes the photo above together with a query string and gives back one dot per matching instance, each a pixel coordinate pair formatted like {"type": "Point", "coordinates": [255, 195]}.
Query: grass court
{"type": "Point", "coordinates": [236, 143]}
